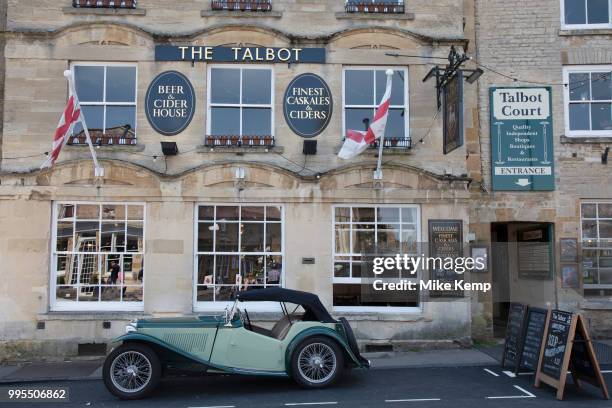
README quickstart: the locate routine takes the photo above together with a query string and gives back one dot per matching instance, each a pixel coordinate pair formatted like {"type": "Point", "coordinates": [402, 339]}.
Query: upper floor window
{"type": "Point", "coordinates": [107, 93]}
{"type": "Point", "coordinates": [585, 13]}
{"type": "Point", "coordinates": [105, 3]}
{"type": "Point", "coordinates": [596, 229]}
{"type": "Point", "coordinates": [244, 5]}
{"type": "Point", "coordinates": [98, 256]}
{"type": "Point", "coordinates": [588, 100]}
{"type": "Point", "coordinates": [240, 106]}
{"type": "Point", "coordinates": [363, 89]}
{"type": "Point", "coordinates": [375, 6]}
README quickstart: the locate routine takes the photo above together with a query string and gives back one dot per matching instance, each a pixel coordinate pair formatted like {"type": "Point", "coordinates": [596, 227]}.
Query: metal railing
{"type": "Point", "coordinates": [241, 5]}
{"type": "Point", "coordinates": [377, 7]}
{"type": "Point", "coordinates": [129, 4]}
{"type": "Point", "coordinates": [394, 142]}
{"type": "Point", "coordinates": [119, 136]}
{"type": "Point", "coordinates": [238, 141]}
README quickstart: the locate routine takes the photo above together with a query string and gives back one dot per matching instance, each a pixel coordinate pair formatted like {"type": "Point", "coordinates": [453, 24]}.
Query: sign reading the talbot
{"type": "Point", "coordinates": [521, 139]}
{"type": "Point", "coordinates": [170, 103]}
{"type": "Point", "coordinates": [308, 105]}
{"type": "Point", "coordinates": [239, 54]}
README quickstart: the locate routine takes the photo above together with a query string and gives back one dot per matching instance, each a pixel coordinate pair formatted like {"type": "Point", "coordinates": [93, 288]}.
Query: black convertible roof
{"type": "Point", "coordinates": [310, 302]}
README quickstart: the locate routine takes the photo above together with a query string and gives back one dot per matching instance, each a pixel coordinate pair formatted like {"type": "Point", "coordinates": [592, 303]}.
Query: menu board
{"type": "Point", "coordinates": [445, 241]}
{"type": "Point", "coordinates": [514, 334]}
{"type": "Point", "coordinates": [532, 343]}
{"type": "Point", "coordinates": [556, 343]}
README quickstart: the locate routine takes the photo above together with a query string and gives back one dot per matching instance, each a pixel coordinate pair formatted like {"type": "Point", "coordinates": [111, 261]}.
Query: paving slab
{"type": "Point", "coordinates": [433, 358]}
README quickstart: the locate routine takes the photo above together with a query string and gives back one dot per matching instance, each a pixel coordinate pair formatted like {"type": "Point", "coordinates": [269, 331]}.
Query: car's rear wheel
{"type": "Point", "coordinates": [131, 371]}
{"type": "Point", "coordinates": [317, 362]}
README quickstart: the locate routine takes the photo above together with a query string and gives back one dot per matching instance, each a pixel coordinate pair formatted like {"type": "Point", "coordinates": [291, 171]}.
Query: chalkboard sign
{"type": "Point", "coordinates": [534, 333]}
{"type": "Point", "coordinates": [514, 335]}
{"type": "Point", "coordinates": [446, 241]}
{"type": "Point", "coordinates": [556, 343]}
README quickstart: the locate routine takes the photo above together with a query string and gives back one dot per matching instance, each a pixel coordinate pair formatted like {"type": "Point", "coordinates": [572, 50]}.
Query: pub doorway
{"type": "Point", "coordinates": [523, 268]}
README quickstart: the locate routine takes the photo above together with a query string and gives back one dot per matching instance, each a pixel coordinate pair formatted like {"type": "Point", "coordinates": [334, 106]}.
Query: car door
{"type": "Point", "coordinates": [254, 351]}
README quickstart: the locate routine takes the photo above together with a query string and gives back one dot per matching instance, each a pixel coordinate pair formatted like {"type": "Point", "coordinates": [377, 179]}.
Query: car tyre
{"type": "Point", "coordinates": [317, 362]}
{"type": "Point", "coordinates": [131, 371]}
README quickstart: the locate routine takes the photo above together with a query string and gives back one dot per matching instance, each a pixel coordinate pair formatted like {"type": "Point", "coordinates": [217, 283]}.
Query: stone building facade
{"type": "Point", "coordinates": [165, 235]}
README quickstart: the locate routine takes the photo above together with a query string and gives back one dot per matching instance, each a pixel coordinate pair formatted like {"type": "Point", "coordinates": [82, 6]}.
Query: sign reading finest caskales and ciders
{"type": "Point", "coordinates": [522, 139]}
{"type": "Point", "coordinates": [170, 103]}
{"type": "Point", "coordinates": [170, 100]}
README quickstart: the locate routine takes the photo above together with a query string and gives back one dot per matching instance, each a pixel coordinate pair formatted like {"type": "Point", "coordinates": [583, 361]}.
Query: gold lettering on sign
{"type": "Point", "coordinates": [269, 54]}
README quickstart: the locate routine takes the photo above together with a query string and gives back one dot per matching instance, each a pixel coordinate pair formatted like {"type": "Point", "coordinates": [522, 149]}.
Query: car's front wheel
{"type": "Point", "coordinates": [317, 362]}
{"type": "Point", "coordinates": [131, 371]}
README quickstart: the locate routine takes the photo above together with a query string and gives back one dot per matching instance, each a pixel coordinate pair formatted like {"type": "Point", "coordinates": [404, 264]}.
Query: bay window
{"type": "Point", "coordinates": [238, 247]}
{"type": "Point", "coordinates": [98, 256]}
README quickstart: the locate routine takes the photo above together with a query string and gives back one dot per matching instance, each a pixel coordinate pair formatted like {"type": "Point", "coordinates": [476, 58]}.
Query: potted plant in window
{"type": "Point", "coordinates": [268, 140]}
{"type": "Point", "coordinates": [129, 3]}
{"type": "Point", "coordinates": [256, 140]}
{"type": "Point", "coordinates": [394, 141]}
{"type": "Point", "coordinates": [234, 140]}
{"type": "Point", "coordinates": [106, 3]}
{"type": "Point", "coordinates": [83, 3]}
{"type": "Point", "coordinates": [223, 140]}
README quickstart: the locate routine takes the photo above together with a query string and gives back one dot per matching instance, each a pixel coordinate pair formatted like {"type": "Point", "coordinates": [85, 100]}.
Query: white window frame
{"type": "Point", "coordinates": [104, 103]}
{"type": "Point", "coordinates": [582, 240]}
{"type": "Point", "coordinates": [240, 105]}
{"type": "Point", "coordinates": [100, 305]}
{"type": "Point", "coordinates": [406, 105]}
{"type": "Point", "coordinates": [373, 309]}
{"type": "Point", "coordinates": [582, 69]}
{"type": "Point", "coordinates": [585, 26]}
{"type": "Point", "coordinates": [221, 305]}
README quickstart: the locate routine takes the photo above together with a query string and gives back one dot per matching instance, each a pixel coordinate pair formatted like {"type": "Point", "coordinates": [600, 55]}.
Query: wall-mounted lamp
{"type": "Point", "coordinates": [474, 75]}
{"type": "Point", "coordinates": [169, 148]}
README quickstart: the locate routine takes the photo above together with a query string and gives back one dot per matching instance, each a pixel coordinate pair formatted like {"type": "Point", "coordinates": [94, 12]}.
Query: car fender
{"type": "Point", "coordinates": [318, 331]}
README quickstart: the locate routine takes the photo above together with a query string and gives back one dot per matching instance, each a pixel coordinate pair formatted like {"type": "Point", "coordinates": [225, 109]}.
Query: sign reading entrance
{"type": "Point", "coordinates": [170, 103]}
{"type": "Point", "coordinates": [308, 105]}
{"type": "Point", "coordinates": [239, 54]}
{"type": "Point", "coordinates": [522, 139]}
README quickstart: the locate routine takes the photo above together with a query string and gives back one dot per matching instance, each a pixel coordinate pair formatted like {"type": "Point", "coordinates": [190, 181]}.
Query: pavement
{"type": "Point", "coordinates": [91, 369]}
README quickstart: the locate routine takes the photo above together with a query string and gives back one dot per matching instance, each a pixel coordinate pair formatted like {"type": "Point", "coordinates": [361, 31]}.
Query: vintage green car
{"type": "Point", "coordinates": [306, 344]}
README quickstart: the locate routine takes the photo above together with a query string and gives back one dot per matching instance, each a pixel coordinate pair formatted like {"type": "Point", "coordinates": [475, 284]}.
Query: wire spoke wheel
{"type": "Point", "coordinates": [131, 371]}
{"type": "Point", "coordinates": [317, 362]}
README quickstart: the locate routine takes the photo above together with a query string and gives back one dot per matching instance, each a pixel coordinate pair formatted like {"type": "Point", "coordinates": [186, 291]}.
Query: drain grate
{"type": "Point", "coordinates": [91, 349]}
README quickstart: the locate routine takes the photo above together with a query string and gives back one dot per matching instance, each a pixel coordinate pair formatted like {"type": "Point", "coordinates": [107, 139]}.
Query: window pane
{"type": "Point", "coordinates": [256, 86]}
{"type": "Point", "coordinates": [363, 241]}
{"type": "Point", "coordinates": [225, 121]}
{"type": "Point", "coordinates": [120, 118]}
{"type": "Point", "coordinates": [605, 230]}
{"type": "Point", "coordinates": [227, 237]}
{"type": "Point", "coordinates": [94, 117]}
{"type": "Point", "coordinates": [135, 212]}
{"type": "Point", "coordinates": [228, 213]}
{"type": "Point", "coordinates": [252, 270]}
{"type": "Point", "coordinates": [205, 269]}
{"type": "Point", "coordinates": [135, 242]}
{"type": "Point", "coordinates": [273, 237]}
{"type": "Point", "coordinates": [225, 293]}
{"type": "Point", "coordinates": [359, 87]}
{"type": "Point", "coordinates": [224, 85]}
{"type": "Point", "coordinates": [85, 236]}
{"type": "Point", "coordinates": [252, 213]}
{"type": "Point", "coordinates": [589, 229]}
{"type": "Point", "coordinates": [579, 87]}
{"type": "Point", "coordinates": [227, 269]}
{"type": "Point", "coordinates": [205, 237]}
{"type": "Point", "coordinates": [206, 212]}
{"type": "Point", "coordinates": [120, 84]}
{"type": "Point", "coordinates": [409, 215]}
{"type": "Point", "coordinates": [397, 87]}
{"type": "Point", "coordinates": [113, 212]}
{"type": "Point", "coordinates": [205, 294]}
{"type": "Point", "coordinates": [252, 237]}
{"type": "Point", "coordinates": [343, 241]}
{"type": "Point", "coordinates": [388, 240]}
{"type": "Point", "coordinates": [575, 12]}
{"type": "Point", "coordinates": [256, 121]}
{"type": "Point", "coordinates": [589, 210]}
{"type": "Point", "coordinates": [355, 118]}
{"type": "Point", "coordinates": [601, 117]}
{"type": "Point", "coordinates": [274, 268]}
{"type": "Point", "coordinates": [601, 82]}
{"type": "Point", "coordinates": [597, 11]}
{"type": "Point", "coordinates": [65, 211]}
{"type": "Point", "coordinates": [132, 294]}
{"type": "Point", "coordinates": [342, 270]}
{"type": "Point", "coordinates": [605, 210]}
{"type": "Point", "coordinates": [89, 83]}
{"type": "Point", "coordinates": [112, 237]}
{"type": "Point", "coordinates": [579, 116]}
{"type": "Point", "coordinates": [343, 214]}
{"type": "Point", "coordinates": [273, 213]}
{"type": "Point", "coordinates": [386, 214]}
{"type": "Point", "coordinates": [64, 236]}
{"type": "Point", "coordinates": [396, 124]}
{"type": "Point", "coordinates": [66, 293]}
{"type": "Point", "coordinates": [365, 214]}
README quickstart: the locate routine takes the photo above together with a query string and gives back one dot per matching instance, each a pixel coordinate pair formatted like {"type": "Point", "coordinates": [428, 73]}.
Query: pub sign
{"type": "Point", "coordinates": [170, 103]}
{"type": "Point", "coordinates": [308, 105]}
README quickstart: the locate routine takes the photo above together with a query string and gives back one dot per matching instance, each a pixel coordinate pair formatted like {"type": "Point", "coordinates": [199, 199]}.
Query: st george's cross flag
{"type": "Point", "coordinates": [356, 140]}
{"type": "Point", "coordinates": [71, 116]}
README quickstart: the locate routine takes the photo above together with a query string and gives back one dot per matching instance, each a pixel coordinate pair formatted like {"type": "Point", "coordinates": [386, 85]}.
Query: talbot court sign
{"type": "Point", "coordinates": [521, 139]}
{"type": "Point", "coordinates": [239, 54]}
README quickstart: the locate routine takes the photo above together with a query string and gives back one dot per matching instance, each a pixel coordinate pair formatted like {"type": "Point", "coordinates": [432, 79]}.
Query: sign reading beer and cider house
{"type": "Point", "coordinates": [522, 139]}
{"type": "Point", "coordinates": [308, 105]}
{"type": "Point", "coordinates": [170, 103]}
{"type": "Point", "coordinates": [239, 54]}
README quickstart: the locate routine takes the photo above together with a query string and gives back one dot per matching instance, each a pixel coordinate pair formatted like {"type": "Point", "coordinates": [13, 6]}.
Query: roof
{"type": "Point", "coordinates": [310, 302]}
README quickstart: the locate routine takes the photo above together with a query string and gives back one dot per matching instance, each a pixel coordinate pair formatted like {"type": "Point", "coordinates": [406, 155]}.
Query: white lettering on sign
{"type": "Point", "coordinates": [521, 104]}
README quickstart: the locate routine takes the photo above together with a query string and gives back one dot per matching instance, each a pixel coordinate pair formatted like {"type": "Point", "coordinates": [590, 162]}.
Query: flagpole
{"type": "Point", "coordinates": [378, 175]}
{"type": "Point", "coordinates": [98, 170]}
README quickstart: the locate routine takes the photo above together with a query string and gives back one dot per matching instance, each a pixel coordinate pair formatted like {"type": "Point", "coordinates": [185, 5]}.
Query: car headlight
{"type": "Point", "coordinates": [132, 327]}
